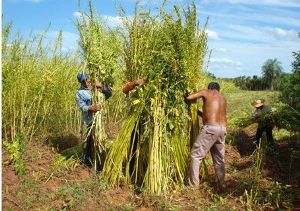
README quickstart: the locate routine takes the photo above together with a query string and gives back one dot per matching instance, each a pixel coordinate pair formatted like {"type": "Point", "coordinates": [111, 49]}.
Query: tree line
{"type": "Point", "coordinates": [270, 79]}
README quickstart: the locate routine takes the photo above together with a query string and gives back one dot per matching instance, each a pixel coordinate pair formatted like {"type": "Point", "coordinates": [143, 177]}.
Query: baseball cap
{"type": "Point", "coordinates": [82, 76]}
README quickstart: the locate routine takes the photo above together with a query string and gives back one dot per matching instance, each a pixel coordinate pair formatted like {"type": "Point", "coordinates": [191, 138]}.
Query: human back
{"type": "Point", "coordinates": [214, 108]}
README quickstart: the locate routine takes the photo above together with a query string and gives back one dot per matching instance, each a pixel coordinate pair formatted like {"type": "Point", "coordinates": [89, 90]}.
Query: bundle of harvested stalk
{"type": "Point", "coordinates": [151, 149]}
{"type": "Point", "coordinates": [100, 52]}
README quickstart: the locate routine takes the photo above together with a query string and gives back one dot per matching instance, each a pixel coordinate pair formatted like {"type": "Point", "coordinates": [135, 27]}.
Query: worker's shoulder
{"type": "Point", "coordinates": [83, 92]}
{"type": "Point", "coordinates": [213, 93]}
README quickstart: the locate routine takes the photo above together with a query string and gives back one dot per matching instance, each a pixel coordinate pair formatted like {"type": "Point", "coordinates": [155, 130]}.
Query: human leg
{"type": "Point", "coordinates": [88, 148]}
{"type": "Point", "coordinates": [258, 135]}
{"type": "Point", "coordinates": [269, 134]}
{"type": "Point", "coordinates": [199, 150]}
{"type": "Point", "coordinates": [218, 156]}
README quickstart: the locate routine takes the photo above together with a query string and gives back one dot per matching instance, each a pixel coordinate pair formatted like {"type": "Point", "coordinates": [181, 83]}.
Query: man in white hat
{"type": "Point", "coordinates": [262, 115]}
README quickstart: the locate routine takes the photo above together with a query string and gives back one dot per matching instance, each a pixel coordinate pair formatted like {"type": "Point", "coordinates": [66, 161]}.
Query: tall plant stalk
{"type": "Point", "coordinates": [152, 147]}
{"type": "Point", "coordinates": [38, 85]}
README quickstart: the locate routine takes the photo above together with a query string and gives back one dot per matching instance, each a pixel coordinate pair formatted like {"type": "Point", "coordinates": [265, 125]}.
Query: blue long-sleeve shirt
{"type": "Point", "coordinates": [84, 100]}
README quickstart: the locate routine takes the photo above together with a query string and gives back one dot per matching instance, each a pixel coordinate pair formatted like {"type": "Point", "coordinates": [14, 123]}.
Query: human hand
{"type": "Point", "coordinates": [95, 108]}
{"type": "Point", "coordinates": [189, 101]}
{"type": "Point", "coordinates": [98, 107]}
{"type": "Point", "coordinates": [186, 100]}
{"type": "Point", "coordinates": [98, 85]}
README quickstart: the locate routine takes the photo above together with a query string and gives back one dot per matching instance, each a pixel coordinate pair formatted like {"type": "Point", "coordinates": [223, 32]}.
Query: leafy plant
{"type": "Point", "coordinates": [249, 199]}
{"type": "Point", "coordinates": [15, 151]}
{"type": "Point", "coordinates": [62, 164]}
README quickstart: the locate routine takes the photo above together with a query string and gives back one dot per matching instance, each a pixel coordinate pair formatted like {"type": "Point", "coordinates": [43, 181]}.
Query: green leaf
{"type": "Point", "coordinates": [136, 102]}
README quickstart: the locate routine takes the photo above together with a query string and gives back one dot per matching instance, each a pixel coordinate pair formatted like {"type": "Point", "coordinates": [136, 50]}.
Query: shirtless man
{"type": "Point", "coordinates": [212, 136]}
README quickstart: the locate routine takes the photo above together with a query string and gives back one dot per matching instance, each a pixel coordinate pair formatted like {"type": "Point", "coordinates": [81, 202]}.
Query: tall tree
{"type": "Point", "coordinates": [296, 62]}
{"type": "Point", "coordinates": [290, 94]}
{"type": "Point", "coordinates": [291, 87]}
{"type": "Point", "coordinates": [271, 71]}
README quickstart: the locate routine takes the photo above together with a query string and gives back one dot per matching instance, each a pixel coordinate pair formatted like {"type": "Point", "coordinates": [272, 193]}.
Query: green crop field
{"type": "Point", "coordinates": [142, 140]}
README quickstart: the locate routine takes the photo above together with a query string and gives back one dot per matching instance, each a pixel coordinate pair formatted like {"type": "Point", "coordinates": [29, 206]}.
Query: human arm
{"type": "Point", "coordinates": [83, 101]}
{"type": "Point", "coordinates": [131, 85]}
{"type": "Point", "coordinates": [107, 92]}
{"type": "Point", "coordinates": [196, 95]}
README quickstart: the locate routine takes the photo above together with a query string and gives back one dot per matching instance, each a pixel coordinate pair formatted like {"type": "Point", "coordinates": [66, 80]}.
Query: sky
{"type": "Point", "coordinates": [242, 34]}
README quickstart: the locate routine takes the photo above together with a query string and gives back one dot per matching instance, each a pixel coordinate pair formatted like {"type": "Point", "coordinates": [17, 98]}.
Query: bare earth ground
{"type": "Point", "coordinates": [53, 183]}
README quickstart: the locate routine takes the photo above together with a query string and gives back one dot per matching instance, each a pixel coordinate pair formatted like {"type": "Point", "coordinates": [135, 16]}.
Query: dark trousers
{"type": "Point", "coordinates": [89, 152]}
{"type": "Point", "coordinates": [268, 130]}
{"type": "Point", "coordinates": [88, 147]}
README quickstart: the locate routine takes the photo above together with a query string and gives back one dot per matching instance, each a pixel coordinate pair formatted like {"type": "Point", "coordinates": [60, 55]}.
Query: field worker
{"type": "Point", "coordinates": [263, 116]}
{"type": "Point", "coordinates": [84, 102]}
{"type": "Point", "coordinates": [212, 134]}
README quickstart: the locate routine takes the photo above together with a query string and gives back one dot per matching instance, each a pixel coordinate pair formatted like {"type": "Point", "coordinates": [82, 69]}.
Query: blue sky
{"type": "Point", "coordinates": [242, 34]}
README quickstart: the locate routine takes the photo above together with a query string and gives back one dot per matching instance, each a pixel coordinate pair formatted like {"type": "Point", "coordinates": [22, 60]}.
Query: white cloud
{"type": "Point", "coordinates": [251, 32]}
{"type": "Point", "coordinates": [204, 1]}
{"type": "Point", "coordinates": [81, 16]}
{"type": "Point", "coordinates": [249, 14]}
{"type": "Point", "coordinates": [70, 39]}
{"type": "Point", "coordinates": [247, 59]}
{"type": "Point", "coordinates": [276, 3]}
{"type": "Point", "coordinates": [281, 34]}
{"type": "Point", "coordinates": [77, 14]}
{"type": "Point", "coordinates": [220, 49]}
{"type": "Point", "coordinates": [212, 34]}
{"type": "Point", "coordinates": [245, 33]}
{"type": "Point", "coordinates": [273, 3]}
{"type": "Point", "coordinates": [265, 34]}
{"type": "Point", "coordinates": [225, 61]}
{"type": "Point", "coordinates": [113, 21]}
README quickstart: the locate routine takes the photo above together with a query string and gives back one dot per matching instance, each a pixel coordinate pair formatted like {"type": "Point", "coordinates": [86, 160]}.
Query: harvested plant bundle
{"type": "Point", "coordinates": [152, 147]}
{"type": "Point", "coordinates": [100, 53]}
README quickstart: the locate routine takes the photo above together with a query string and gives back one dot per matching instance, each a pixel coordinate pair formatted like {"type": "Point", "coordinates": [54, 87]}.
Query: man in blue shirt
{"type": "Point", "coordinates": [84, 102]}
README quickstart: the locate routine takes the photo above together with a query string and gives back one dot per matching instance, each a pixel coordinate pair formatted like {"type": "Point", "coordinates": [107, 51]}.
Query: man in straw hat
{"type": "Point", "coordinates": [262, 115]}
{"type": "Point", "coordinates": [212, 134]}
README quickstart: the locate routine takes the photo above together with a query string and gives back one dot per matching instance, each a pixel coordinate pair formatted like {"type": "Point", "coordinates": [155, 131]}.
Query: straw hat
{"type": "Point", "coordinates": [258, 103]}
